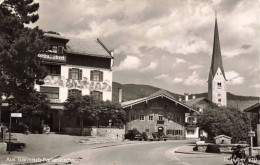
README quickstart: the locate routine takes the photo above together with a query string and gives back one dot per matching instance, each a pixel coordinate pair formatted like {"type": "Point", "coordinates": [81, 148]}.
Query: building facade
{"type": "Point", "coordinates": [217, 79]}
{"type": "Point", "coordinates": [159, 112]}
{"type": "Point", "coordinates": [75, 66]}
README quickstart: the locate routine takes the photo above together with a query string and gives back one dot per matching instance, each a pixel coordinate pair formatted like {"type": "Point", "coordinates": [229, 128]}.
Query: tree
{"type": "Point", "coordinates": [87, 107]}
{"type": "Point", "coordinates": [112, 111]}
{"type": "Point", "coordinates": [19, 48]}
{"type": "Point", "coordinates": [220, 120]}
{"type": "Point", "coordinates": [83, 107]}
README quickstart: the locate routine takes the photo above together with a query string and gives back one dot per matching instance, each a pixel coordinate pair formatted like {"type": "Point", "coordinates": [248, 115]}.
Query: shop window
{"type": "Point", "coordinates": [74, 92]}
{"type": "Point", "coordinates": [97, 95]}
{"type": "Point", "coordinates": [53, 69]}
{"type": "Point", "coordinates": [96, 75]}
{"type": "Point", "coordinates": [51, 92]}
{"type": "Point", "coordinates": [141, 117]}
{"type": "Point", "coordinates": [150, 118]}
{"type": "Point", "coordinates": [75, 74]}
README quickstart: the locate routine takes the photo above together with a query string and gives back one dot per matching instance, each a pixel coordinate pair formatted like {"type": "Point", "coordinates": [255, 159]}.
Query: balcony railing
{"type": "Point", "coordinates": [160, 121]}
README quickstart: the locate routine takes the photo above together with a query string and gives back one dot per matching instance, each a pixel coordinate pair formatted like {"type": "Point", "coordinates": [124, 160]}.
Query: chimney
{"type": "Point", "coordinates": [120, 95]}
{"type": "Point", "coordinates": [193, 96]}
{"type": "Point", "coordinates": [180, 99]}
{"type": "Point", "coordinates": [186, 96]}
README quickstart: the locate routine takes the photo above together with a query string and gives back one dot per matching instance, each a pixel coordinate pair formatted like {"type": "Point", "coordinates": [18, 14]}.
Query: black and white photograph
{"type": "Point", "coordinates": [130, 82]}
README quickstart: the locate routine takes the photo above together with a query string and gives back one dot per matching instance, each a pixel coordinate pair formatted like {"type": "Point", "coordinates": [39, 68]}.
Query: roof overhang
{"type": "Point", "coordinates": [153, 97]}
{"type": "Point", "coordinates": [254, 108]}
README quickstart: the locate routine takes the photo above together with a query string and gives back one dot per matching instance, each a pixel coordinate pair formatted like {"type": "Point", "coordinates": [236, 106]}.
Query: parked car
{"type": "Point", "coordinates": [160, 136]}
{"type": "Point", "coordinates": [155, 136]}
{"type": "Point", "coordinates": [133, 135]}
{"type": "Point", "coordinates": [148, 136]}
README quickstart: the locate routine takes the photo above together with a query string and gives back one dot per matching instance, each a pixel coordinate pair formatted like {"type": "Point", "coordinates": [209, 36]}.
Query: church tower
{"type": "Point", "coordinates": [217, 79]}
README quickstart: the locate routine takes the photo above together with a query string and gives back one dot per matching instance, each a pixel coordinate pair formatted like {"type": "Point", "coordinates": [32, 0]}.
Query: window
{"type": "Point", "coordinates": [177, 132]}
{"type": "Point", "coordinates": [141, 117]}
{"type": "Point", "coordinates": [219, 95]}
{"type": "Point", "coordinates": [51, 92]}
{"type": "Point", "coordinates": [54, 49]}
{"type": "Point", "coordinates": [75, 74]}
{"type": "Point", "coordinates": [150, 118]}
{"type": "Point", "coordinates": [97, 95]}
{"type": "Point", "coordinates": [132, 117]}
{"type": "Point", "coordinates": [178, 119]}
{"type": "Point", "coordinates": [74, 92]}
{"type": "Point", "coordinates": [219, 85]}
{"type": "Point", "coordinates": [60, 50]}
{"type": "Point", "coordinates": [146, 130]}
{"type": "Point", "coordinates": [96, 75]}
{"type": "Point", "coordinates": [53, 69]}
{"type": "Point", "coordinates": [219, 100]}
{"type": "Point", "coordinates": [190, 131]}
{"type": "Point", "coordinates": [190, 119]}
{"type": "Point", "coordinates": [160, 118]}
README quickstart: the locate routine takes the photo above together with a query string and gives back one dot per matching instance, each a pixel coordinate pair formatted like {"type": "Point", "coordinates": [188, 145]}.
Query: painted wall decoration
{"type": "Point", "coordinates": [61, 81]}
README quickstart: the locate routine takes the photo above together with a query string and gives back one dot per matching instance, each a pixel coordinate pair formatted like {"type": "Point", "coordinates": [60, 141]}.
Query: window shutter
{"type": "Point", "coordinates": [91, 75]}
{"type": "Point", "coordinates": [100, 76]}
{"type": "Point", "coordinates": [80, 74]}
{"type": "Point", "coordinates": [100, 96]}
{"type": "Point", "coordinates": [70, 70]}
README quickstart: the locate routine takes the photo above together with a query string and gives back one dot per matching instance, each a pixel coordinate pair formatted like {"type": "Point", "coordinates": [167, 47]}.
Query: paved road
{"type": "Point", "coordinates": [146, 153]}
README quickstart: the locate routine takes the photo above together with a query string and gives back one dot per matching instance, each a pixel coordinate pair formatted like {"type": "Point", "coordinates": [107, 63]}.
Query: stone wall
{"type": "Point", "coordinates": [111, 133]}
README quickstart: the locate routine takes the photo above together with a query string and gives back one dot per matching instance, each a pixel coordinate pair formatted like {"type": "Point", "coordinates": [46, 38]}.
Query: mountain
{"type": "Point", "coordinates": [135, 91]}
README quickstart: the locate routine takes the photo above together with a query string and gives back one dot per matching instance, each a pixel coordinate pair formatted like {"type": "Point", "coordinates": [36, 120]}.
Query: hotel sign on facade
{"type": "Point", "coordinates": [53, 57]}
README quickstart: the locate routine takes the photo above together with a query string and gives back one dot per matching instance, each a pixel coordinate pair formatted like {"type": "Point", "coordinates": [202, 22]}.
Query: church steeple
{"type": "Point", "coordinates": [217, 79]}
{"type": "Point", "coordinates": [216, 61]}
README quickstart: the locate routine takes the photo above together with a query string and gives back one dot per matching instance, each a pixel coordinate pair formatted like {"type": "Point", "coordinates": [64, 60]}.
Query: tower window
{"type": "Point", "coordinates": [219, 85]}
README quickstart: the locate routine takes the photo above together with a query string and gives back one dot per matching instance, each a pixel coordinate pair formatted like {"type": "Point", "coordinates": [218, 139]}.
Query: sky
{"type": "Point", "coordinates": [166, 43]}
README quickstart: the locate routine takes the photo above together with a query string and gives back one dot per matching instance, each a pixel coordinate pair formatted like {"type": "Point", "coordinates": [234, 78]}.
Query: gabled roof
{"type": "Point", "coordinates": [216, 61]}
{"type": "Point", "coordinates": [88, 46]}
{"type": "Point", "coordinates": [192, 102]}
{"type": "Point", "coordinates": [55, 36]}
{"type": "Point", "coordinates": [160, 93]}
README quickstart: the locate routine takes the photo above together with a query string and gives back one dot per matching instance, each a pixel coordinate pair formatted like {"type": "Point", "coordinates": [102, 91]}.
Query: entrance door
{"type": "Point", "coordinates": [160, 129]}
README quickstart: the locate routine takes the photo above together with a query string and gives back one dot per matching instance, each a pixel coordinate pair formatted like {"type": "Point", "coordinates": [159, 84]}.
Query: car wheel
{"type": "Point", "coordinates": [165, 139]}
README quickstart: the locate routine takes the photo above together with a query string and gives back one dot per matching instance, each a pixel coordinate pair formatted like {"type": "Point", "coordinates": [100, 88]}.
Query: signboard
{"type": "Point", "coordinates": [55, 100]}
{"type": "Point", "coordinates": [16, 114]}
{"type": "Point", "coordinates": [52, 57]}
{"type": "Point", "coordinates": [5, 104]}
{"type": "Point", "coordinates": [251, 134]}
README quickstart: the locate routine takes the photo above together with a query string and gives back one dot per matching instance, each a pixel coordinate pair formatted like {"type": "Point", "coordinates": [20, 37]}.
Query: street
{"type": "Point", "coordinates": [146, 153]}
